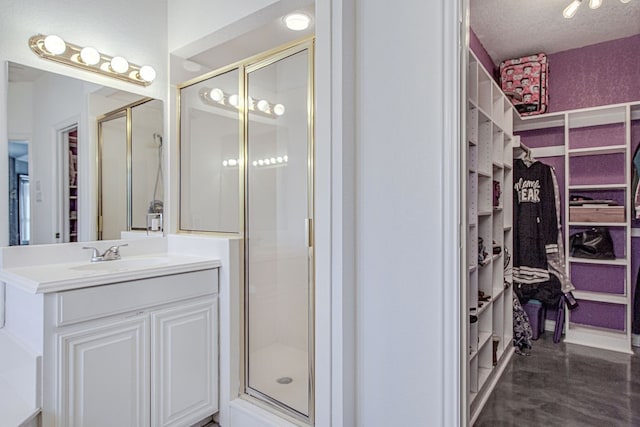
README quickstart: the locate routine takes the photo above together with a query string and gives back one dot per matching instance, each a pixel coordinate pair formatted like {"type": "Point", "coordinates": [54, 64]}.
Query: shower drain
{"type": "Point", "coordinates": [284, 380]}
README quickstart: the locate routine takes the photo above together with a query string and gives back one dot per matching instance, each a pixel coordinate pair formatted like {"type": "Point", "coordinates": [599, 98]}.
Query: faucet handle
{"type": "Point", "coordinates": [116, 248]}
{"type": "Point", "coordinates": [95, 256]}
{"type": "Point", "coordinates": [113, 252]}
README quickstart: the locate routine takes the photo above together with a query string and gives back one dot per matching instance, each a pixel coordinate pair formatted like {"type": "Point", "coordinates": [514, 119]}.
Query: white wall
{"type": "Point", "coordinates": [404, 224]}
{"type": "Point", "coordinates": [58, 103]}
{"type": "Point", "coordinates": [136, 30]}
{"type": "Point", "coordinates": [193, 20]}
{"type": "Point", "coordinates": [20, 115]}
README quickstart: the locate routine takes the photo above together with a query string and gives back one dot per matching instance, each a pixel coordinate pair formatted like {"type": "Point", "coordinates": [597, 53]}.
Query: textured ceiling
{"type": "Point", "coordinates": [514, 28]}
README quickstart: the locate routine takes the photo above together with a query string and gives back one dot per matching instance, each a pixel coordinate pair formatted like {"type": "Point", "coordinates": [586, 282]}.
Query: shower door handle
{"type": "Point", "coordinates": [308, 232]}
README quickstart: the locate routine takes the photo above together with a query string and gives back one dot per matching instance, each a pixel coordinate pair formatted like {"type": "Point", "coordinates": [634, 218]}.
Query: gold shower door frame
{"type": "Point", "coordinates": [265, 60]}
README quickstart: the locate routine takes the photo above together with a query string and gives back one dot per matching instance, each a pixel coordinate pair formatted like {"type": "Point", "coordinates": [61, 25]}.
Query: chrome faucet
{"type": "Point", "coordinates": [113, 253]}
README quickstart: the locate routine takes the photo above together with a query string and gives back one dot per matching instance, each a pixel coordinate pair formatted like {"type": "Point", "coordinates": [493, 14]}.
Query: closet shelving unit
{"type": "Point", "coordinates": [71, 188]}
{"type": "Point", "coordinates": [488, 163]}
{"type": "Point", "coordinates": [597, 162]}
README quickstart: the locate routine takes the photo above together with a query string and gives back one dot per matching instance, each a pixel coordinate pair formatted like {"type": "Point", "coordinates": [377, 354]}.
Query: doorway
{"type": "Point", "coordinates": [19, 199]}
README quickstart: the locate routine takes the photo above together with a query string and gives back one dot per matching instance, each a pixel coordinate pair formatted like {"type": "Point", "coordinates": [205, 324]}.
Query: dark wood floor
{"type": "Point", "coordinates": [566, 385]}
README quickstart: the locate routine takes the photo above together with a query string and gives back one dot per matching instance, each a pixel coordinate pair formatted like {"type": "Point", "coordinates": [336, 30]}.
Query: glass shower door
{"type": "Point", "coordinates": [279, 211]}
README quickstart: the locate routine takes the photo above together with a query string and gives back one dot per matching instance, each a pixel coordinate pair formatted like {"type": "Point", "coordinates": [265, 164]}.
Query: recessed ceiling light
{"type": "Point", "coordinates": [297, 21]}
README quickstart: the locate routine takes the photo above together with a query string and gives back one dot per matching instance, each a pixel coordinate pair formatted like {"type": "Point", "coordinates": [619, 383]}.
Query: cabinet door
{"type": "Point", "coordinates": [104, 379]}
{"type": "Point", "coordinates": [184, 363]}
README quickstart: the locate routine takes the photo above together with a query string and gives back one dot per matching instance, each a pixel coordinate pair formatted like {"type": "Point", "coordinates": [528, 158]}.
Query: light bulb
{"type": "Point", "coordinates": [263, 105]}
{"type": "Point", "coordinates": [261, 162]}
{"type": "Point", "coordinates": [255, 163]}
{"type": "Point", "coordinates": [147, 73]}
{"type": "Point", "coordinates": [233, 100]}
{"type": "Point", "coordinates": [233, 162]}
{"type": "Point", "coordinates": [594, 4]}
{"type": "Point", "coordinates": [279, 159]}
{"type": "Point", "coordinates": [89, 55]}
{"type": "Point", "coordinates": [273, 160]}
{"type": "Point", "coordinates": [285, 158]}
{"type": "Point", "coordinates": [297, 21]}
{"type": "Point", "coordinates": [278, 109]}
{"type": "Point", "coordinates": [119, 64]}
{"type": "Point", "coordinates": [251, 103]}
{"type": "Point", "coordinates": [216, 94]}
{"type": "Point", "coordinates": [571, 10]}
{"type": "Point", "coordinates": [225, 163]}
{"type": "Point", "coordinates": [625, 1]}
{"type": "Point", "coordinates": [54, 45]}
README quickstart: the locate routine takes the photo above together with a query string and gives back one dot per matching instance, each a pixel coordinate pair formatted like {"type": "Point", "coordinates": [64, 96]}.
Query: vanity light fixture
{"type": "Point", "coordinates": [219, 98]}
{"type": "Point", "coordinates": [572, 8]}
{"type": "Point", "coordinates": [88, 58]}
{"type": "Point", "coordinates": [297, 21]}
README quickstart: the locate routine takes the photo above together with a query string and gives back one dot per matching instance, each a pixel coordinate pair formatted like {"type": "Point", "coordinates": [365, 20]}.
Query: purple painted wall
{"type": "Point", "coordinates": [600, 74]}
{"type": "Point", "coordinates": [481, 53]}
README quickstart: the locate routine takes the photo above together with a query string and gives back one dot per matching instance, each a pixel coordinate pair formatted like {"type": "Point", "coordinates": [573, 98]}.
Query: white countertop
{"type": "Point", "coordinates": [54, 277]}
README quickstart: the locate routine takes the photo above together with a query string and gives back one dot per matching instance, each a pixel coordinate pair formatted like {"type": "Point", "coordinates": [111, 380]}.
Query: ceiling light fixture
{"type": "Point", "coordinates": [53, 48]}
{"type": "Point", "coordinates": [572, 8]}
{"type": "Point", "coordinates": [297, 21]}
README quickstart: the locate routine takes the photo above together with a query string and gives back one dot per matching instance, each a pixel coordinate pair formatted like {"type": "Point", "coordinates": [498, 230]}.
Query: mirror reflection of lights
{"type": "Point", "coordinates": [271, 161]}
{"type": "Point", "coordinates": [231, 162]}
{"type": "Point", "coordinates": [216, 96]}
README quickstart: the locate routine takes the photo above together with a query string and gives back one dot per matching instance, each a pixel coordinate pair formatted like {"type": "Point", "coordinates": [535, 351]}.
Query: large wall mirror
{"type": "Point", "coordinates": [53, 126]}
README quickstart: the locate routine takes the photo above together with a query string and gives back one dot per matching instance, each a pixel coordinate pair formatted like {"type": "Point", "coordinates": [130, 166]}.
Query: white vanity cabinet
{"type": "Point", "coordinates": [137, 353]}
{"type": "Point", "coordinates": [103, 374]}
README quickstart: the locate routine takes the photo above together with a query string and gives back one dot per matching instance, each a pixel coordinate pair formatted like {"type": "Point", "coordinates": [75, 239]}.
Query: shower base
{"type": "Point", "coordinates": [281, 372]}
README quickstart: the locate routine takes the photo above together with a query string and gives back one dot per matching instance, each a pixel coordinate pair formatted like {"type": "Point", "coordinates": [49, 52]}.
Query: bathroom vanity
{"type": "Point", "coordinates": [130, 342]}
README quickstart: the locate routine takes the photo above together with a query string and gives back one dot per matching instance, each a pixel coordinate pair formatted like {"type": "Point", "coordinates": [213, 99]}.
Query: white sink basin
{"type": "Point", "coordinates": [122, 264]}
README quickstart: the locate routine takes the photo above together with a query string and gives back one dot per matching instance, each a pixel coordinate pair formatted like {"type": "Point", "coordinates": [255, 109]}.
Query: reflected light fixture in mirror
{"type": "Point", "coordinates": [218, 97]}
{"type": "Point", "coordinates": [88, 58]}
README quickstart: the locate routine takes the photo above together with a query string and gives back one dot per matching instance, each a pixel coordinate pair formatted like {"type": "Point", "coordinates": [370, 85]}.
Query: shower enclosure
{"type": "Point", "coordinates": [246, 168]}
{"type": "Point", "coordinates": [278, 231]}
{"type": "Point", "coordinates": [130, 184]}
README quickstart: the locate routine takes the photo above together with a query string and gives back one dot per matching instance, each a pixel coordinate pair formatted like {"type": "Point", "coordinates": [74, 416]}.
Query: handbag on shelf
{"type": "Point", "coordinates": [594, 243]}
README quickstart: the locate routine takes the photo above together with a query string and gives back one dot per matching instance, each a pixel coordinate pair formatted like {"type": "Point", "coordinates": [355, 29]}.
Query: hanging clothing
{"type": "Point", "coordinates": [535, 221]}
{"type": "Point", "coordinates": [539, 264]}
{"type": "Point", "coordinates": [522, 332]}
{"type": "Point", "coordinates": [635, 188]}
{"type": "Point", "coordinates": [635, 326]}
{"type": "Point", "coordinates": [556, 260]}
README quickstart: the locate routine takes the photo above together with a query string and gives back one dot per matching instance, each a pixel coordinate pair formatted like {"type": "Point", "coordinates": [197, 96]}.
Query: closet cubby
{"type": "Point", "coordinates": [596, 143]}
{"type": "Point", "coordinates": [488, 164]}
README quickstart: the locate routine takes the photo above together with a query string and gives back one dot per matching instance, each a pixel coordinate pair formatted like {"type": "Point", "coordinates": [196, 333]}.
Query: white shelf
{"type": "Point", "coordinates": [597, 224]}
{"type": "Point", "coordinates": [617, 261]}
{"type": "Point", "coordinates": [598, 337]}
{"type": "Point", "coordinates": [593, 118]}
{"type": "Point", "coordinates": [598, 187]}
{"type": "Point", "coordinates": [489, 125]}
{"type": "Point", "coordinates": [597, 151]}
{"type": "Point", "coordinates": [601, 297]}
{"type": "Point", "coordinates": [483, 374]}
